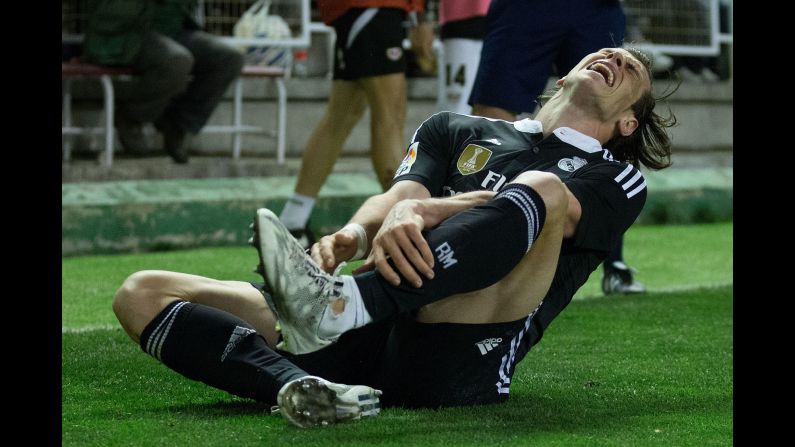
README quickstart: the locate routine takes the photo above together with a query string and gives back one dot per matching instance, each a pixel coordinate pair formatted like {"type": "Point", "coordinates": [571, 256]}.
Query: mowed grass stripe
{"type": "Point", "coordinates": [667, 258]}
{"type": "Point", "coordinates": [110, 327]}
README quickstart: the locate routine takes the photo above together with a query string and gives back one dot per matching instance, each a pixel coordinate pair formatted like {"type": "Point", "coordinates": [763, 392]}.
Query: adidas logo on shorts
{"type": "Point", "coordinates": [487, 345]}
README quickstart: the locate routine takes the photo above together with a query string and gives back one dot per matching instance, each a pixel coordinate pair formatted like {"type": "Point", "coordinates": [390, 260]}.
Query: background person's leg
{"type": "Point", "coordinates": [387, 98]}
{"type": "Point", "coordinates": [520, 45]}
{"type": "Point", "coordinates": [163, 70]}
{"type": "Point", "coordinates": [346, 105]}
{"type": "Point", "coordinates": [216, 65]}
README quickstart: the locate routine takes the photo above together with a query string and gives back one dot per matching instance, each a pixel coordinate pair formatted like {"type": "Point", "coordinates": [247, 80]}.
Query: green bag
{"type": "Point", "coordinates": [115, 30]}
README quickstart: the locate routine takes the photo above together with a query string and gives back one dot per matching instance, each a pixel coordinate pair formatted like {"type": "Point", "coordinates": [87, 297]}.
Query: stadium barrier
{"type": "Point", "coordinates": [74, 69]}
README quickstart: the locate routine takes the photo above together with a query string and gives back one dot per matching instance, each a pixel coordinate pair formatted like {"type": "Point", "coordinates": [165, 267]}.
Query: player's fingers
{"type": "Point", "coordinates": [326, 252]}
{"type": "Point", "coordinates": [402, 263]}
{"type": "Point", "coordinates": [417, 262]}
{"type": "Point", "coordinates": [421, 245]}
{"type": "Point", "coordinates": [383, 266]}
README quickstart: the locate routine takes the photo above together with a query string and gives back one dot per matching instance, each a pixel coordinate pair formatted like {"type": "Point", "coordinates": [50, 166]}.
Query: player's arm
{"type": "Point", "coordinates": [400, 236]}
{"type": "Point", "coordinates": [343, 245]}
{"type": "Point", "coordinates": [420, 175]}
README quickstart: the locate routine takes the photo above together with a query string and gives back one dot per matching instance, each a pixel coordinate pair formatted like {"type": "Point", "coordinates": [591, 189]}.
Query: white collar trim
{"type": "Point", "coordinates": [527, 125]}
{"type": "Point", "coordinates": [578, 139]}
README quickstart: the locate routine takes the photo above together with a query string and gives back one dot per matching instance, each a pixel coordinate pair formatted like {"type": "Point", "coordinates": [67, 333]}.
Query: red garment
{"type": "Point", "coordinates": [453, 10]}
{"type": "Point", "coordinates": [330, 10]}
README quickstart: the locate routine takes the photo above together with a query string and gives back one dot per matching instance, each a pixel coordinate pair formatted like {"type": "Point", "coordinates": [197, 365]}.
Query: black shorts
{"type": "Point", "coordinates": [426, 365]}
{"type": "Point", "coordinates": [369, 43]}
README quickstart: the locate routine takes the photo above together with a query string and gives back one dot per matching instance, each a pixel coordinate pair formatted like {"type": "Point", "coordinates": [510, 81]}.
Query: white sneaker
{"type": "Point", "coordinates": [300, 291]}
{"type": "Point", "coordinates": [311, 401]}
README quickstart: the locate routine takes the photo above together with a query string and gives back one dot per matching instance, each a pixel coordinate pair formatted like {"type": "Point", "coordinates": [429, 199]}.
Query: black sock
{"type": "Point", "coordinates": [616, 254]}
{"type": "Point", "coordinates": [473, 249]}
{"type": "Point", "coordinates": [215, 347]}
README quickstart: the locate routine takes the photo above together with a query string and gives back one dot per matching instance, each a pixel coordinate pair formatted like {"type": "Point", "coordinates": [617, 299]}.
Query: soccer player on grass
{"type": "Point", "coordinates": [464, 285]}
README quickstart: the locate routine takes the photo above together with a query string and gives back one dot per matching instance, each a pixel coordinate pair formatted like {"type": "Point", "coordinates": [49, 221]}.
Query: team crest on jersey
{"type": "Point", "coordinates": [473, 159]}
{"type": "Point", "coordinates": [394, 53]}
{"type": "Point", "coordinates": [571, 164]}
{"type": "Point", "coordinates": [408, 160]}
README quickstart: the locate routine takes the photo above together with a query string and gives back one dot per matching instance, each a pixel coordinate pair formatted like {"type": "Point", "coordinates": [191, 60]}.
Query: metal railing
{"type": "Point", "coordinates": [679, 27]}
{"type": "Point", "coordinates": [217, 16]}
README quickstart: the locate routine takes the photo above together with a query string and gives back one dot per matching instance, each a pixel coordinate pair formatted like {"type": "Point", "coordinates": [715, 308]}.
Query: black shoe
{"type": "Point", "coordinates": [131, 135]}
{"type": "Point", "coordinates": [305, 237]}
{"type": "Point", "coordinates": [174, 138]}
{"type": "Point", "coordinates": [618, 279]}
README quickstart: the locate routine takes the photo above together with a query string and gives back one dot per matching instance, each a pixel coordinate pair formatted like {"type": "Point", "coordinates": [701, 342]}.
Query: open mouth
{"type": "Point", "coordinates": [605, 71]}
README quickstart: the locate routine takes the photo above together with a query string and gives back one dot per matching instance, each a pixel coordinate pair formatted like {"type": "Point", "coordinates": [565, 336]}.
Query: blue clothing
{"type": "Point", "coordinates": [525, 39]}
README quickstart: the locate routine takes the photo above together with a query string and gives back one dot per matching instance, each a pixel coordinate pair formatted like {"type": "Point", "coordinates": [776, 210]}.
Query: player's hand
{"type": "Point", "coordinates": [400, 238]}
{"type": "Point", "coordinates": [333, 249]}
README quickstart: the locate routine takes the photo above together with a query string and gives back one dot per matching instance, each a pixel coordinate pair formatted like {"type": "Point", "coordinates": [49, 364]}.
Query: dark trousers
{"type": "Point", "coordinates": [181, 80]}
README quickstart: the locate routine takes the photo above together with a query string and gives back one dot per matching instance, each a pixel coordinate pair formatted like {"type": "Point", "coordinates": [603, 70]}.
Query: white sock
{"type": "Point", "coordinates": [296, 211]}
{"type": "Point", "coordinates": [354, 315]}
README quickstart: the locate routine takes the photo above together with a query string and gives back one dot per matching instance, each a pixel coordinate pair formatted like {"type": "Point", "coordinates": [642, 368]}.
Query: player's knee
{"type": "Point", "coordinates": [133, 291]}
{"type": "Point", "coordinates": [550, 188]}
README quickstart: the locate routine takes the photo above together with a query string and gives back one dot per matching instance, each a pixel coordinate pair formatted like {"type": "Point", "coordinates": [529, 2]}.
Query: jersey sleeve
{"type": "Point", "coordinates": [611, 196]}
{"type": "Point", "coordinates": [428, 154]}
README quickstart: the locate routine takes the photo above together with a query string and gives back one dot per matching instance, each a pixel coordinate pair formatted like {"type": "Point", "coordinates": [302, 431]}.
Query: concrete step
{"type": "Point", "coordinates": [119, 215]}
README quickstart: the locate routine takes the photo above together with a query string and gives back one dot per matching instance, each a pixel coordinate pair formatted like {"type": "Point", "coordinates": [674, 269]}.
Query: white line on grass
{"type": "Point", "coordinates": [672, 289]}
{"type": "Point", "coordinates": [89, 328]}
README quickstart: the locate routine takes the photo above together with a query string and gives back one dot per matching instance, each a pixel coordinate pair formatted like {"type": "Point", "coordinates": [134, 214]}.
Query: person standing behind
{"type": "Point", "coordinates": [182, 72]}
{"type": "Point", "coordinates": [462, 29]}
{"type": "Point", "coordinates": [369, 70]}
{"type": "Point", "coordinates": [525, 40]}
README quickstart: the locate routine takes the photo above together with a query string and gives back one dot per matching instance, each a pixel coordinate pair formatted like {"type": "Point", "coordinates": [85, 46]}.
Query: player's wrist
{"type": "Point", "coordinates": [361, 239]}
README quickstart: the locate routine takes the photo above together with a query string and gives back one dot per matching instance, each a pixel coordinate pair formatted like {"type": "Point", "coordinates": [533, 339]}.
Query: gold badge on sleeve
{"type": "Point", "coordinates": [473, 159]}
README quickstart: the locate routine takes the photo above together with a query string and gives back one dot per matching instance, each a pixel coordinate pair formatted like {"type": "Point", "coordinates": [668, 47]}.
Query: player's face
{"type": "Point", "coordinates": [614, 80]}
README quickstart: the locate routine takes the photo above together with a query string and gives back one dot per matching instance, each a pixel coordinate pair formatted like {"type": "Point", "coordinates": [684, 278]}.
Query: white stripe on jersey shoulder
{"type": "Point", "coordinates": [528, 126]}
{"type": "Point", "coordinates": [515, 123]}
{"type": "Point", "coordinates": [578, 139]}
{"type": "Point", "coordinates": [627, 181]}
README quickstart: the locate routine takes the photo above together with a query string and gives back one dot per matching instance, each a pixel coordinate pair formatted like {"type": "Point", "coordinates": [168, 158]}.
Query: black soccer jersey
{"type": "Point", "coordinates": [451, 154]}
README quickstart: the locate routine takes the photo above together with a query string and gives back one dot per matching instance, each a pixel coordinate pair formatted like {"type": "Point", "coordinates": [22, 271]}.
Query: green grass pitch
{"type": "Point", "coordinates": [652, 369]}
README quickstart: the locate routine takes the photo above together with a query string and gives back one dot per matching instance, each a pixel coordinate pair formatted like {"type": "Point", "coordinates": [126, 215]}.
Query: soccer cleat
{"type": "Point", "coordinates": [300, 291]}
{"type": "Point", "coordinates": [617, 278]}
{"type": "Point", "coordinates": [311, 401]}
